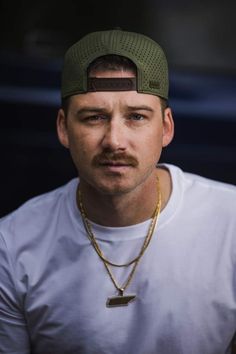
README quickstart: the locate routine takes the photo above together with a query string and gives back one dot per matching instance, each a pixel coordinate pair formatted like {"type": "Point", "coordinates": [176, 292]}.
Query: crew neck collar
{"type": "Point", "coordinates": [137, 230]}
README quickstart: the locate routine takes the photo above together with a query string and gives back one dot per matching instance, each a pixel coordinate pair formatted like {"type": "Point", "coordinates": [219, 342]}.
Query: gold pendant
{"type": "Point", "coordinates": [120, 300]}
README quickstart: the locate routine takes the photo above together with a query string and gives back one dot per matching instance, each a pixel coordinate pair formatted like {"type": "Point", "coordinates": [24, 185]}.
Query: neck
{"type": "Point", "coordinates": [124, 210]}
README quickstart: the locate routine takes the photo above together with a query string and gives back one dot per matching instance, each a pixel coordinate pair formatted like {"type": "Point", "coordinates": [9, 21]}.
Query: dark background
{"type": "Point", "coordinates": [199, 40]}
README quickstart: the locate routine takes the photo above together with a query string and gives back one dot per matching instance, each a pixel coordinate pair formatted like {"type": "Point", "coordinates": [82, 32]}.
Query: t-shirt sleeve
{"type": "Point", "coordinates": [14, 338]}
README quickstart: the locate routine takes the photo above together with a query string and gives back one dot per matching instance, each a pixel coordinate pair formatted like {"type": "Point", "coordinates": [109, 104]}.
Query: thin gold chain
{"type": "Point", "coordinates": [136, 260]}
{"type": "Point", "coordinates": [146, 240]}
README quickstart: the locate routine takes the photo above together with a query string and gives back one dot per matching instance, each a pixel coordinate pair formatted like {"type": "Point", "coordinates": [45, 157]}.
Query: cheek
{"type": "Point", "coordinates": [82, 148]}
{"type": "Point", "coordinates": [151, 144]}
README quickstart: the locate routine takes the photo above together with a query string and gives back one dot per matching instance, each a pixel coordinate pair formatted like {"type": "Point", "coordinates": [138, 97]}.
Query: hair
{"type": "Point", "coordinates": [110, 62]}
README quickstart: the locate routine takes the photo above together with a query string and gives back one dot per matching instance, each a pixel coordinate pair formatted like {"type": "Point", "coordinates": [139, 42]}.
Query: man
{"type": "Point", "coordinates": [132, 257]}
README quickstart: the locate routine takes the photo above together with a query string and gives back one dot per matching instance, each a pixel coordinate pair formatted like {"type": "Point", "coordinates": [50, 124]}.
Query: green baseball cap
{"type": "Point", "coordinates": [145, 53]}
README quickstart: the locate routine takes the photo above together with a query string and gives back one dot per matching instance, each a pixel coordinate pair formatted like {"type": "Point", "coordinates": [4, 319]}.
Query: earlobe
{"type": "Point", "coordinates": [168, 127]}
{"type": "Point", "coordinates": [62, 128]}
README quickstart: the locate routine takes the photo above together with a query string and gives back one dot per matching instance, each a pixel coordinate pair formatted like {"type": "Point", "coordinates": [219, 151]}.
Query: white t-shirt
{"type": "Point", "coordinates": [54, 287]}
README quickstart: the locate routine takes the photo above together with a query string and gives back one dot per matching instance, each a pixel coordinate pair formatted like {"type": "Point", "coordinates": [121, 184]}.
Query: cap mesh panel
{"type": "Point", "coordinates": [147, 55]}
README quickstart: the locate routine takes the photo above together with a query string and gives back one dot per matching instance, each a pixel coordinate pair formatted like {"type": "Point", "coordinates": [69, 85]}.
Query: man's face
{"type": "Point", "coordinates": [115, 138]}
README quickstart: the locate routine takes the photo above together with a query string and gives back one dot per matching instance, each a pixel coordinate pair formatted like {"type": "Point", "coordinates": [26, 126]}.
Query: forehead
{"type": "Point", "coordinates": [115, 100]}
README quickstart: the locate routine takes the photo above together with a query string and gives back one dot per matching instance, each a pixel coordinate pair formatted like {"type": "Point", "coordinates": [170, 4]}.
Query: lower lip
{"type": "Point", "coordinates": [116, 168]}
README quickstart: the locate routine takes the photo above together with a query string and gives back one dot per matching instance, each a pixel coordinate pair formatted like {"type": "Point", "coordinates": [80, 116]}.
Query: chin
{"type": "Point", "coordinates": [114, 189]}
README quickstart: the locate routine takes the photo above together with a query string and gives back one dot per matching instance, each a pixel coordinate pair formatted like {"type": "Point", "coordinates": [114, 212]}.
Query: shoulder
{"type": "Point", "coordinates": [190, 180]}
{"type": "Point", "coordinates": [203, 194]}
{"type": "Point", "coordinates": [38, 211]}
{"type": "Point", "coordinates": [211, 189]}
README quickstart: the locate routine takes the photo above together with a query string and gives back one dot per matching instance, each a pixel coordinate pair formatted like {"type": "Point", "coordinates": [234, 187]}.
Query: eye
{"type": "Point", "coordinates": [136, 116]}
{"type": "Point", "coordinates": [95, 118]}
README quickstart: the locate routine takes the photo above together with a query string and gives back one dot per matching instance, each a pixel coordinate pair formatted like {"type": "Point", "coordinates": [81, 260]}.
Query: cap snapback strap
{"type": "Point", "coordinates": [112, 84]}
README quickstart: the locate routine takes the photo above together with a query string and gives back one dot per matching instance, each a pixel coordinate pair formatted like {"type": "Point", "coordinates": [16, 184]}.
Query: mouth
{"type": "Point", "coordinates": [115, 166]}
{"type": "Point", "coordinates": [114, 163]}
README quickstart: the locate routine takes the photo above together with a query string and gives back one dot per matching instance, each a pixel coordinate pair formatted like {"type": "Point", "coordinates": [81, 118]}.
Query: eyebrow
{"type": "Point", "coordinates": [89, 110]}
{"type": "Point", "coordinates": [103, 109]}
{"type": "Point", "coordinates": [140, 108]}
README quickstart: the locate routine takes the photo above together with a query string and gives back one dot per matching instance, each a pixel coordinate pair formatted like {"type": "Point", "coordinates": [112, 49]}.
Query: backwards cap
{"type": "Point", "coordinates": [146, 54]}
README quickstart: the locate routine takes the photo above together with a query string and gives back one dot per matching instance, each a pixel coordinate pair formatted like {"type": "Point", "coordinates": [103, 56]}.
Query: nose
{"type": "Point", "coordinates": [114, 136]}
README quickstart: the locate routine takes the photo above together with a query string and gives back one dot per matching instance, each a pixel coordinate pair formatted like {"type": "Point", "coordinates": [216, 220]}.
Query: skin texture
{"type": "Point", "coordinates": [115, 140]}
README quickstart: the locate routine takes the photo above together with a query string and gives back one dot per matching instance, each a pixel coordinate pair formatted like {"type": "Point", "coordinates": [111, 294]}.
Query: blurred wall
{"type": "Point", "coordinates": [196, 34]}
{"type": "Point", "coordinates": [193, 33]}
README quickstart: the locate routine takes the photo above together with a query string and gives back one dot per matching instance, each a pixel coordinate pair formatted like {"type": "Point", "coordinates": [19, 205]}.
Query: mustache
{"type": "Point", "coordinates": [109, 157]}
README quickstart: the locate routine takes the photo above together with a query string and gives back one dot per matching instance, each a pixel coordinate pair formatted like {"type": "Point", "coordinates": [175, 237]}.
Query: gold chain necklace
{"type": "Point", "coordinates": [121, 300]}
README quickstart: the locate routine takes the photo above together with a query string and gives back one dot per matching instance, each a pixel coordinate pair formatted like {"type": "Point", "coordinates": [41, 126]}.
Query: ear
{"type": "Point", "coordinates": [168, 127]}
{"type": "Point", "coordinates": [62, 128]}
